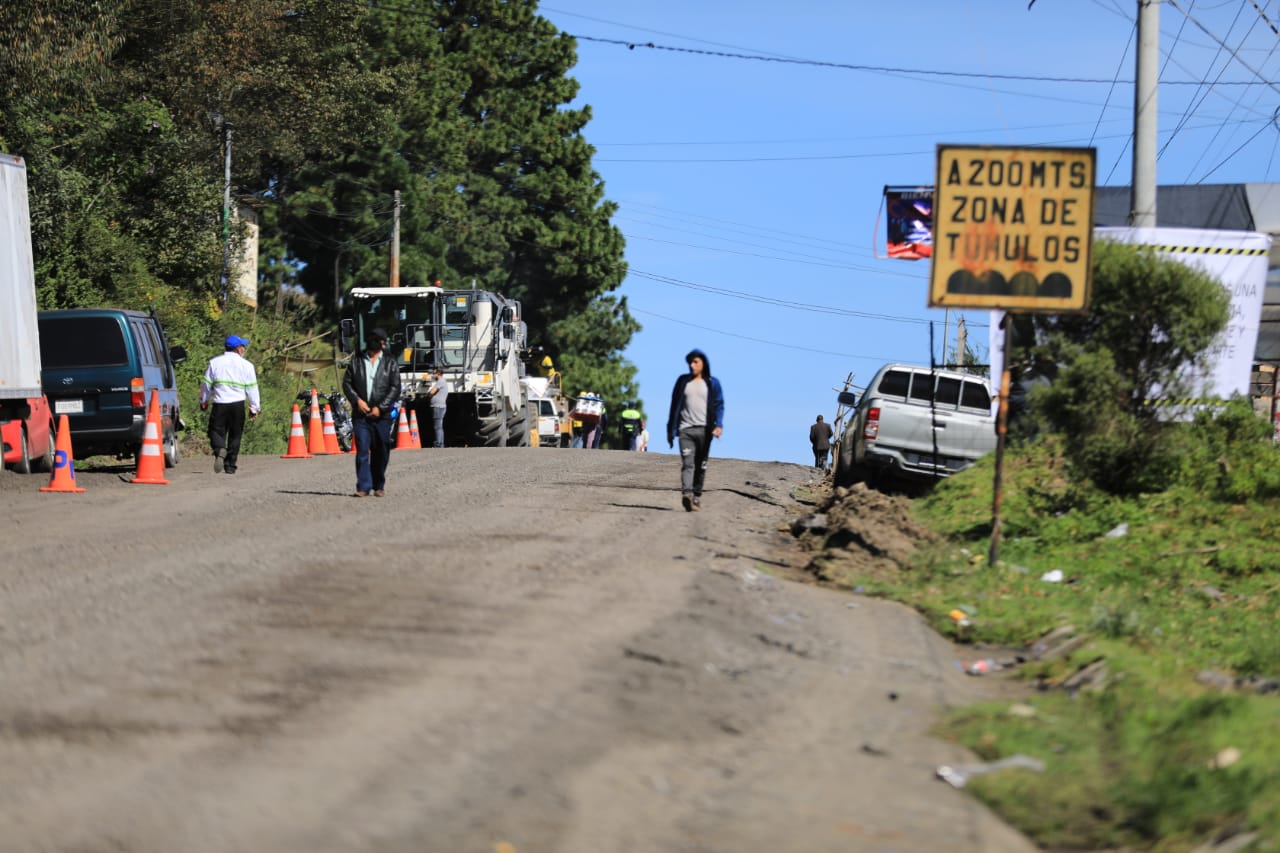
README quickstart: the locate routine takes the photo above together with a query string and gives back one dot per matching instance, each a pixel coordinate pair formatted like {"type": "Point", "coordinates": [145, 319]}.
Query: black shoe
{"type": "Point", "coordinates": [228, 470]}
{"type": "Point", "coordinates": [687, 502]}
{"type": "Point", "coordinates": [217, 462]}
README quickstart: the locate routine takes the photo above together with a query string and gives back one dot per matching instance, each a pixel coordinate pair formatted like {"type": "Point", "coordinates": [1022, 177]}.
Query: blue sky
{"type": "Point", "coordinates": [749, 190]}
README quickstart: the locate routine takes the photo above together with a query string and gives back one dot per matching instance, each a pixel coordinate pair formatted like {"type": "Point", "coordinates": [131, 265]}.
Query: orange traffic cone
{"type": "Point", "coordinates": [330, 434]}
{"type": "Point", "coordinates": [315, 430]}
{"type": "Point", "coordinates": [150, 457]}
{"type": "Point", "coordinates": [404, 441]}
{"type": "Point", "coordinates": [63, 478]}
{"type": "Point", "coordinates": [413, 429]}
{"type": "Point", "coordinates": [297, 439]}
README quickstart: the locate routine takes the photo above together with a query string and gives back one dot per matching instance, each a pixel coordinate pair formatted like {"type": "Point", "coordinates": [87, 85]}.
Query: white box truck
{"type": "Point", "coordinates": [26, 423]}
{"type": "Point", "coordinates": [19, 334]}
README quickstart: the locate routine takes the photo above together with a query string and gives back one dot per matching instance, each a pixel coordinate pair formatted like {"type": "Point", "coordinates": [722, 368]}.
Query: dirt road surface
{"type": "Point", "coordinates": [514, 651]}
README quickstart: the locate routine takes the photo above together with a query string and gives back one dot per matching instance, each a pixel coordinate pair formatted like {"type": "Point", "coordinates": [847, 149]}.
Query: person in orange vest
{"type": "Point", "coordinates": [229, 381]}
{"type": "Point", "coordinates": [372, 384]}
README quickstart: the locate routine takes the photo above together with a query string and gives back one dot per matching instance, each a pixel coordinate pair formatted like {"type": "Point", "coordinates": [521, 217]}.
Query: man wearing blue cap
{"type": "Point", "coordinates": [229, 381]}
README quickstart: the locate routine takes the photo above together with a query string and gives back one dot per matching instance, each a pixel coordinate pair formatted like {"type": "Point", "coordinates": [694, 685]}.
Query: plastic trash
{"type": "Point", "coordinates": [960, 618]}
{"type": "Point", "coordinates": [1054, 576]}
{"type": "Point", "coordinates": [1118, 531]}
{"type": "Point", "coordinates": [959, 776]}
{"type": "Point", "coordinates": [981, 667]}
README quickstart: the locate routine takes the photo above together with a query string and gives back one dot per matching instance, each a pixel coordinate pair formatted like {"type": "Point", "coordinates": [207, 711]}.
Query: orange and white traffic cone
{"type": "Point", "coordinates": [315, 430]}
{"type": "Point", "coordinates": [330, 433]}
{"type": "Point", "coordinates": [413, 429]}
{"type": "Point", "coordinates": [63, 478]}
{"type": "Point", "coordinates": [297, 438]}
{"type": "Point", "coordinates": [151, 457]}
{"type": "Point", "coordinates": [404, 441]}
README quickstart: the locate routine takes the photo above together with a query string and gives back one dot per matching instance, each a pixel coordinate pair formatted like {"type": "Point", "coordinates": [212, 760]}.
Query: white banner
{"type": "Point", "coordinates": [1238, 260]}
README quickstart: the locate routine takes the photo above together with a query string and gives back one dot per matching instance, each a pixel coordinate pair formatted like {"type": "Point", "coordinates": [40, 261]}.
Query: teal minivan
{"type": "Point", "coordinates": [99, 368]}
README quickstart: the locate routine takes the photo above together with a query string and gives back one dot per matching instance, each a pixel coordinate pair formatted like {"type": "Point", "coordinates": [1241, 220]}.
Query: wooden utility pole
{"type": "Point", "coordinates": [395, 244]}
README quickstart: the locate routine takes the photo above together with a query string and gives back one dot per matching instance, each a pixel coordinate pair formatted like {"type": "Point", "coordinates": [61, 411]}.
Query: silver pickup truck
{"type": "Point", "coordinates": [916, 423]}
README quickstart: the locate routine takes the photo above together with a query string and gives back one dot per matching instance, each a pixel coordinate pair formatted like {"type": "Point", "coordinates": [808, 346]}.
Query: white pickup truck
{"type": "Point", "coordinates": [916, 423]}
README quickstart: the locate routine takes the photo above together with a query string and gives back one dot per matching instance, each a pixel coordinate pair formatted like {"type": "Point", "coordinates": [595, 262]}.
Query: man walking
{"type": "Point", "coordinates": [229, 381]}
{"type": "Point", "coordinates": [631, 425]}
{"type": "Point", "coordinates": [820, 439]}
{"type": "Point", "coordinates": [438, 394]}
{"type": "Point", "coordinates": [697, 416]}
{"type": "Point", "coordinates": [372, 384]}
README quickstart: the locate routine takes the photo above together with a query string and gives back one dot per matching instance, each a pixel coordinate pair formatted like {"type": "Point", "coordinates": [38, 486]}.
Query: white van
{"type": "Point", "coordinates": [916, 423]}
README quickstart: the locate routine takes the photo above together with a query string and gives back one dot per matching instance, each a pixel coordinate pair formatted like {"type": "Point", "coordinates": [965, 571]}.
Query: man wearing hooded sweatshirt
{"type": "Point", "coordinates": [697, 416]}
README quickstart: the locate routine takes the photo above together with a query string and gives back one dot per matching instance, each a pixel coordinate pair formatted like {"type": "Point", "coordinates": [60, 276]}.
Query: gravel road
{"type": "Point", "coordinates": [515, 651]}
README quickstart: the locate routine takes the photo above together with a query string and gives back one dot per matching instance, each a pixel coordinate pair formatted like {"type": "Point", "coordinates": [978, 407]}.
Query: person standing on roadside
{"type": "Point", "coordinates": [697, 417]}
{"type": "Point", "coordinates": [820, 439]}
{"type": "Point", "coordinates": [372, 384]}
{"type": "Point", "coordinates": [438, 394]}
{"type": "Point", "coordinates": [229, 381]}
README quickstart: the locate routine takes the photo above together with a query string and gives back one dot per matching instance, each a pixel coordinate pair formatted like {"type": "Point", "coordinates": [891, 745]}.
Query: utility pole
{"type": "Point", "coordinates": [1142, 199]}
{"type": "Point", "coordinates": [962, 341]}
{"type": "Point", "coordinates": [395, 244]}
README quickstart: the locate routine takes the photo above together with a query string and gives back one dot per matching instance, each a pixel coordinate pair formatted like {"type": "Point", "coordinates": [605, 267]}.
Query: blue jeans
{"type": "Point", "coordinates": [437, 421]}
{"type": "Point", "coordinates": [373, 452]}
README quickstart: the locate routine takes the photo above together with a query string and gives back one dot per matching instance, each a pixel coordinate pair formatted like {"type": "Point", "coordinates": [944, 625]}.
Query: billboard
{"type": "Point", "coordinates": [909, 214]}
{"type": "Point", "coordinates": [1013, 228]}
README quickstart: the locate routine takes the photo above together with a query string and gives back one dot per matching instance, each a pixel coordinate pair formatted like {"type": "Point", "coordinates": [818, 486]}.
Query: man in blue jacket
{"type": "Point", "coordinates": [697, 416]}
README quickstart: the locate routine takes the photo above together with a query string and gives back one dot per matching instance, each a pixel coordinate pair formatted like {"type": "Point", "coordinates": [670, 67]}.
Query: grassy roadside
{"type": "Point", "coordinates": [1157, 718]}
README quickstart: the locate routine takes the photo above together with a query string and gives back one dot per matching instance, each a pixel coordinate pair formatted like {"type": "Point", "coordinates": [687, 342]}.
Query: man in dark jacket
{"type": "Point", "coordinates": [820, 438]}
{"type": "Point", "coordinates": [697, 416]}
{"type": "Point", "coordinates": [372, 384]}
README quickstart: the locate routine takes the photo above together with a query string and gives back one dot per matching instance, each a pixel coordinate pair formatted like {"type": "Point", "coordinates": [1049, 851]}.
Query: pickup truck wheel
{"type": "Point", "coordinates": [844, 475]}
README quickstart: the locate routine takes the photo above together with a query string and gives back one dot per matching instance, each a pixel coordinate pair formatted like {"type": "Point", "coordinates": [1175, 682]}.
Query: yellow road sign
{"type": "Point", "coordinates": [1013, 228]}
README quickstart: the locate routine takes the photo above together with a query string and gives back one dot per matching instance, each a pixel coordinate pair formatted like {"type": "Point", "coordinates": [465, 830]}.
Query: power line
{"type": "Point", "coordinates": [875, 358]}
{"type": "Point", "coordinates": [888, 69]}
{"type": "Point", "coordinates": [1234, 53]}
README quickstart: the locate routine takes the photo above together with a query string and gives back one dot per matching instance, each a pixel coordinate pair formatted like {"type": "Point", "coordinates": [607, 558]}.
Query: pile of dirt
{"type": "Point", "coordinates": [860, 532]}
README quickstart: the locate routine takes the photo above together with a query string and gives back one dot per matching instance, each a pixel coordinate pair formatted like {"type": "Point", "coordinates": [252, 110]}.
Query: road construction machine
{"type": "Point", "coordinates": [478, 340]}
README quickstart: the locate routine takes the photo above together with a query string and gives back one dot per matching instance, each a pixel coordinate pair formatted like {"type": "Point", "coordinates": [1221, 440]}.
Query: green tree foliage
{"type": "Point", "coordinates": [122, 108]}
{"type": "Point", "coordinates": [1112, 371]}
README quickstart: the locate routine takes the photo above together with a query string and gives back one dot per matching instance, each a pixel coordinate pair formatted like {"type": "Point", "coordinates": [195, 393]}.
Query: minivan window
{"type": "Point", "coordinates": [976, 396]}
{"type": "Point", "coordinates": [81, 342]}
{"type": "Point", "coordinates": [894, 383]}
{"type": "Point", "coordinates": [147, 349]}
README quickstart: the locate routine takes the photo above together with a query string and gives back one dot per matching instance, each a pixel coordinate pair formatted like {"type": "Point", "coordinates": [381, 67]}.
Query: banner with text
{"type": "Point", "coordinates": [1238, 260]}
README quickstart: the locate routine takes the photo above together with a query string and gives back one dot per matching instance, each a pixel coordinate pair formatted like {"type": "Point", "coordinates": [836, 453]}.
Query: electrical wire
{"type": "Point", "coordinates": [889, 69]}
{"type": "Point", "coordinates": [876, 358]}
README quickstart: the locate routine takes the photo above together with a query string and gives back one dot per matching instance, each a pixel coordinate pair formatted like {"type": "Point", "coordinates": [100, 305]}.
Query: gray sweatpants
{"type": "Point", "coordinates": [695, 447]}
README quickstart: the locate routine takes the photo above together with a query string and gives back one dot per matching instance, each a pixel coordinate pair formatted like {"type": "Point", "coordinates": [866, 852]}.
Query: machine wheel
{"type": "Point", "coordinates": [492, 432]}
{"type": "Point", "coordinates": [518, 430]}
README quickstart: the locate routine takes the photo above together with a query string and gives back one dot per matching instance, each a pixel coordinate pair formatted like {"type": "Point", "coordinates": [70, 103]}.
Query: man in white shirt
{"type": "Point", "coordinates": [229, 381]}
